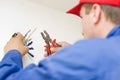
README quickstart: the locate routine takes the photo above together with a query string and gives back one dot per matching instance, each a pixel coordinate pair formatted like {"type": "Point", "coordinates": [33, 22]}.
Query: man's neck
{"type": "Point", "coordinates": [106, 27]}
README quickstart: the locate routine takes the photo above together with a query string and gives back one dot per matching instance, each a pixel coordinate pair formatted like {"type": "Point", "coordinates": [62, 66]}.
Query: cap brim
{"type": "Point", "coordinates": [75, 10]}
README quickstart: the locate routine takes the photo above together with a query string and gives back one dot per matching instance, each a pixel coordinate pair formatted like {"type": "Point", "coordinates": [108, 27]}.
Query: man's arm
{"type": "Point", "coordinates": [11, 68]}
{"type": "Point", "coordinates": [11, 63]}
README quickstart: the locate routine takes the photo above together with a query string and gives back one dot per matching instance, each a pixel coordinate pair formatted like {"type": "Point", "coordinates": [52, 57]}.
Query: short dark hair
{"type": "Point", "coordinates": [112, 13]}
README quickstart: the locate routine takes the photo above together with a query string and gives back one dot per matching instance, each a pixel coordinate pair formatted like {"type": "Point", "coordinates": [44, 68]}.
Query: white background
{"type": "Point", "coordinates": [22, 15]}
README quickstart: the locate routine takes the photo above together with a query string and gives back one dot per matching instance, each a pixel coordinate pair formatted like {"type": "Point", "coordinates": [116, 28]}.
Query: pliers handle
{"type": "Point", "coordinates": [49, 42]}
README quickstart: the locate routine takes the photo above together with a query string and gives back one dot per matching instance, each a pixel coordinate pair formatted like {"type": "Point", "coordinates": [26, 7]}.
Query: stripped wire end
{"type": "Point", "coordinates": [27, 40]}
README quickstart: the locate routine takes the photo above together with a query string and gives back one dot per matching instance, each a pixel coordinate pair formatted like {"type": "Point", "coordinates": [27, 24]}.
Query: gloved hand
{"type": "Point", "coordinates": [17, 43]}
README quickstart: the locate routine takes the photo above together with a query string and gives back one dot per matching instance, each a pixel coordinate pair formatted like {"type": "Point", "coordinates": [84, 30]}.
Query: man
{"type": "Point", "coordinates": [95, 58]}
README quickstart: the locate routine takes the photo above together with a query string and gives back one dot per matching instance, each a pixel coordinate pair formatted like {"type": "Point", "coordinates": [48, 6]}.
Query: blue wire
{"type": "Point", "coordinates": [30, 54]}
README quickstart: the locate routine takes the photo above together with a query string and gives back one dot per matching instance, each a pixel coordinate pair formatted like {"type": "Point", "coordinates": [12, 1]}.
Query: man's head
{"type": "Point", "coordinates": [98, 16]}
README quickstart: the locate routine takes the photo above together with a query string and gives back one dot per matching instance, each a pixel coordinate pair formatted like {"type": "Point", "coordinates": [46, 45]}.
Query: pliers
{"type": "Point", "coordinates": [49, 42]}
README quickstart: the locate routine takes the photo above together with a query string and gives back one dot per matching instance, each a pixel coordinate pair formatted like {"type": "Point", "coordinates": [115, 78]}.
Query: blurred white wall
{"type": "Point", "coordinates": [22, 15]}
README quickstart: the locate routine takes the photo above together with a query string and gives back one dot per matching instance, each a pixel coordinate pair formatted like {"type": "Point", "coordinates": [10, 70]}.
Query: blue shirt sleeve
{"type": "Point", "coordinates": [10, 64]}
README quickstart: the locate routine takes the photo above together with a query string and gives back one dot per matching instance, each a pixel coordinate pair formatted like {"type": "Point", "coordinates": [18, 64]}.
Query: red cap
{"type": "Point", "coordinates": [76, 9]}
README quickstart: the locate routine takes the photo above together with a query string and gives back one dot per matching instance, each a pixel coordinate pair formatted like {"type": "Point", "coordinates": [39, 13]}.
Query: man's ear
{"type": "Point", "coordinates": [95, 13]}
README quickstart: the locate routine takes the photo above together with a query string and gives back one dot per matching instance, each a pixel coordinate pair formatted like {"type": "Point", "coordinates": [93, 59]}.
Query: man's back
{"type": "Point", "coordinates": [99, 61]}
{"type": "Point", "coordinates": [92, 59]}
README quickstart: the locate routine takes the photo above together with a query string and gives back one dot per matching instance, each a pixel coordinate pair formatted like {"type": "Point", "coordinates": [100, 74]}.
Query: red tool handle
{"type": "Point", "coordinates": [54, 44]}
{"type": "Point", "coordinates": [48, 49]}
